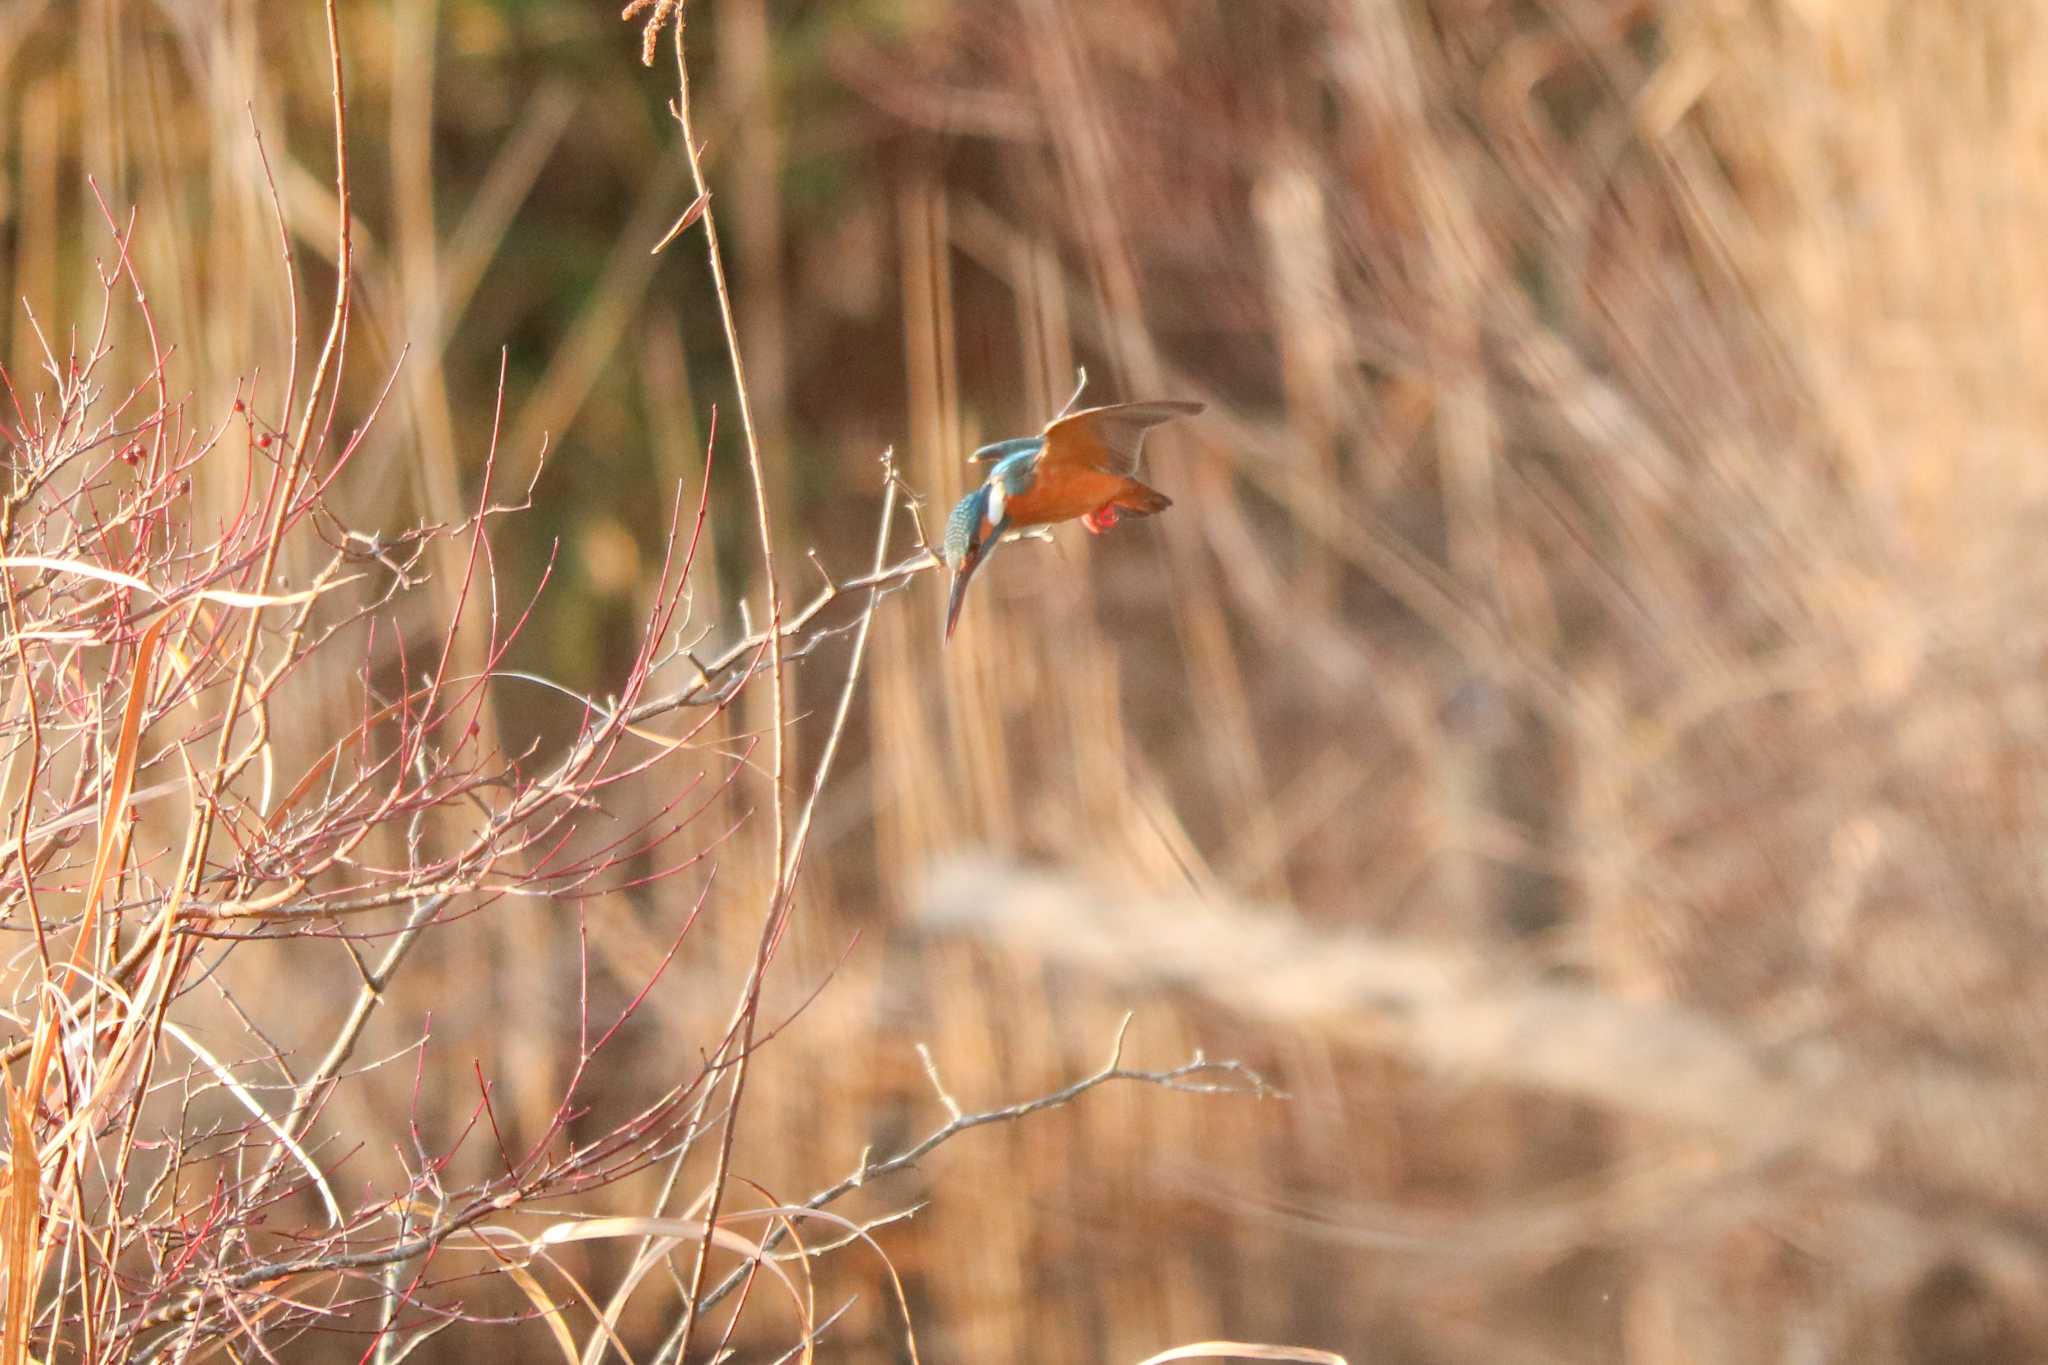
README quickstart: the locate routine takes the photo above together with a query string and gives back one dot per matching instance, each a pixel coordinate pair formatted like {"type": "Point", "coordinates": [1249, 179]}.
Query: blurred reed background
{"type": "Point", "coordinates": [1610, 567]}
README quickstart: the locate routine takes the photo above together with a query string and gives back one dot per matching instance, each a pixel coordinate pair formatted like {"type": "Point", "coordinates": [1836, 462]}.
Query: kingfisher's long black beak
{"type": "Point", "coordinates": [969, 562]}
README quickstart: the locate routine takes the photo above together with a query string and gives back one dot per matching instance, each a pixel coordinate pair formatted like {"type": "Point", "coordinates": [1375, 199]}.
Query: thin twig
{"type": "Point", "coordinates": [778, 895]}
{"type": "Point", "coordinates": [1241, 1080]}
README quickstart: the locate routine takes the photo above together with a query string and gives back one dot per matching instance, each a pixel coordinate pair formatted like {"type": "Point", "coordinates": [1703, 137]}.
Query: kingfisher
{"type": "Point", "coordinates": [1082, 465]}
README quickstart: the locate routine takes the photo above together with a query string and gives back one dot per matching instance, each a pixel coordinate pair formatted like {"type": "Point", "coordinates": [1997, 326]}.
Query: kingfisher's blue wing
{"type": "Point", "coordinates": [963, 527]}
{"type": "Point", "coordinates": [1109, 438]}
{"type": "Point", "coordinates": [1003, 450]}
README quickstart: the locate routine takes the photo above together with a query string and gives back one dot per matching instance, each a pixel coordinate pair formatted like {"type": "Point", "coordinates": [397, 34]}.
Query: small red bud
{"type": "Point", "coordinates": [263, 441]}
{"type": "Point", "coordinates": [473, 731]}
{"type": "Point", "coordinates": [240, 406]}
{"type": "Point", "coordinates": [184, 486]}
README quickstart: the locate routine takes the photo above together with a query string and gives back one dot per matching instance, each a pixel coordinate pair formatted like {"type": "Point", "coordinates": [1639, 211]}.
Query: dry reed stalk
{"type": "Point", "coordinates": [748, 90]}
{"type": "Point", "coordinates": [781, 888]}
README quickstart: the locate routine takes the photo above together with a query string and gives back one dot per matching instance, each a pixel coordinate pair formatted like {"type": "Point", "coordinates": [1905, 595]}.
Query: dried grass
{"type": "Point", "coordinates": [1610, 556]}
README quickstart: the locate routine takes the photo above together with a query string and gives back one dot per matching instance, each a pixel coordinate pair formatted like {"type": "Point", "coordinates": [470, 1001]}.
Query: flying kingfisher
{"type": "Point", "coordinates": [1081, 465]}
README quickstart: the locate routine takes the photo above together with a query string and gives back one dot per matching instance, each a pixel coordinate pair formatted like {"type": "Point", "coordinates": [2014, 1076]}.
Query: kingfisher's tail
{"type": "Point", "coordinates": [1140, 499]}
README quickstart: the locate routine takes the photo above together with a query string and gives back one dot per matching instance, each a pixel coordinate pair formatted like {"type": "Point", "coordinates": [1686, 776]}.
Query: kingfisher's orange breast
{"type": "Point", "coordinates": [1061, 495]}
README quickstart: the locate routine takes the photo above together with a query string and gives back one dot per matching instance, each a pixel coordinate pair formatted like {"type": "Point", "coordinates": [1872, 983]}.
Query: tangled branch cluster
{"type": "Point", "coordinates": [151, 660]}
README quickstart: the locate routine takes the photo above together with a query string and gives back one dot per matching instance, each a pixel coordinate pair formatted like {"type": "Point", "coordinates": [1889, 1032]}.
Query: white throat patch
{"type": "Point", "coordinates": [995, 503]}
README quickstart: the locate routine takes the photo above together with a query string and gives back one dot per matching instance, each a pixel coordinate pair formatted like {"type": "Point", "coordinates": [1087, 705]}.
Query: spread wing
{"type": "Point", "coordinates": [1108, 439]}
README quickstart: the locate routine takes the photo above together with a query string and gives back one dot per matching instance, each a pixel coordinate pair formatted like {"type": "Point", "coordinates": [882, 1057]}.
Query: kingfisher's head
{"type": "Point", "coordinates": [971, 533]}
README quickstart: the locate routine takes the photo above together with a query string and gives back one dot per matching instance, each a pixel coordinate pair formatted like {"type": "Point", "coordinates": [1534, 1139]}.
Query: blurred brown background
{"type": "Point", "coordinates": [1579, 730]}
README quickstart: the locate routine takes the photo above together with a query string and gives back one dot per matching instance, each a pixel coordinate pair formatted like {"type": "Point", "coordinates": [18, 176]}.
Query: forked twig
{"type": "Point", "coordinates": [1231, 1078]}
